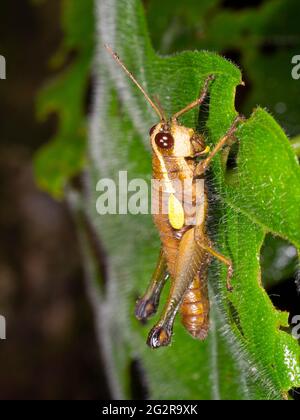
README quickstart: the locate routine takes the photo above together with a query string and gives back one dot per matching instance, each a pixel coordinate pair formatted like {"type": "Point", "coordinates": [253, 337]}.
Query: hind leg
{"type": "Point", "coordinates": [187, 266]}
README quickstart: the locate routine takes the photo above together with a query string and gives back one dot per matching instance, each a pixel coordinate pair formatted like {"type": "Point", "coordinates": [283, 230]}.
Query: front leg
{"type": "Point", "coordinates": [147, 305]}
{"type": "Point", "coordinates": [202, 166]}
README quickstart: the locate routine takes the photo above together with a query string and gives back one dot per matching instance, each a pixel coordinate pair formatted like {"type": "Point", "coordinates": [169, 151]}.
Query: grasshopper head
{"type": "Point", "coordinates": [172, 139]}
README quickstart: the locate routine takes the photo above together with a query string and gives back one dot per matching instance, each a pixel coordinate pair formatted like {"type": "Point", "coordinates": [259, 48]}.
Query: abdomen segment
{"type": "Point", "coordinates": [194, 309]}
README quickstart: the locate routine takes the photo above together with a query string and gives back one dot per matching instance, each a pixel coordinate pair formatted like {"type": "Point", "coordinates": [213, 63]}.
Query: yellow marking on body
{"type": "Point", "coordinates": [168, 184]}
{"type": "Point", "coordinates": [205, 151]}
{"type": "Point", "coordinates": [175, 212]}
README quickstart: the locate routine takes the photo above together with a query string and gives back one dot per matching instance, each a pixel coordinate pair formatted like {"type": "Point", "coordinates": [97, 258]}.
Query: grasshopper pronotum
{"type": "Point", "coordinates": [186, 249]}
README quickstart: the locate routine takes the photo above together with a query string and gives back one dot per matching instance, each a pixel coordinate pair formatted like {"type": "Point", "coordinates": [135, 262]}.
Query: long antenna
{"type": "Point", "coordinates": [159, 106]}
{"type": "Point", "coordinates": [154, 106]}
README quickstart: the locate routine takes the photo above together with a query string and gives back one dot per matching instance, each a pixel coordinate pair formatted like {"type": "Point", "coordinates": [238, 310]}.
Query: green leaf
{"type": "Point", "coordinates": [174, 24]}
{"type": "Point", "coordinates": [279, 261]}
{"type": "Point", "coordinates": [247, 355]}
{"type": "Point", "coordinates": [64, 156]}
{"type": "Point", "coordinates": [248, 36]}
{"type": "Point", "coordinates": [257, 37]}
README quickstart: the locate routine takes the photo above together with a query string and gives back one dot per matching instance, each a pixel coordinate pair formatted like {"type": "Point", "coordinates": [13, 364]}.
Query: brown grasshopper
{"type": "Point", "coordinates": [186, 249]}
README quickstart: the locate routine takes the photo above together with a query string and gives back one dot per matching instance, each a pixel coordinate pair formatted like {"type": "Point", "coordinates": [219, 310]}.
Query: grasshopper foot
{"type": "Point", "coordinates": [145, 308]}
{"type": "Point", "coordinates": [159, 336]}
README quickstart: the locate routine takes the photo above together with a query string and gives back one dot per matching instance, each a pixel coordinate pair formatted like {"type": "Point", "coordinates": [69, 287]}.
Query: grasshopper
{"type": "Point", "coordinates": [186, 249]}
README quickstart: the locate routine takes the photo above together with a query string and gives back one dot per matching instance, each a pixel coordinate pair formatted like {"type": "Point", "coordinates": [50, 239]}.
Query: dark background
{"type": "Point", "coordinates": [51, 349]}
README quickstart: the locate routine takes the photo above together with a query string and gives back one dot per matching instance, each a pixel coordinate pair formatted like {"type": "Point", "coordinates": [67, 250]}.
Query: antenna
{"type": "Point", "coordinates": [159, 106]}
{"type": "Point", "coordinates": [153, 105]}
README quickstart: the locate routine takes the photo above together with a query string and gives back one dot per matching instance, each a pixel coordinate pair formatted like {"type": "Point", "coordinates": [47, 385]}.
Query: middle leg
{"type": "Point", "coordinates": [203, 243]}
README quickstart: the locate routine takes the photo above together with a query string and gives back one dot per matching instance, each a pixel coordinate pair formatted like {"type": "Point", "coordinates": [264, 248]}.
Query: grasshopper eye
{"type": "Point", "coordinates": [151, 131]}
{"type": "Point", "coordinates": [164, 140]}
